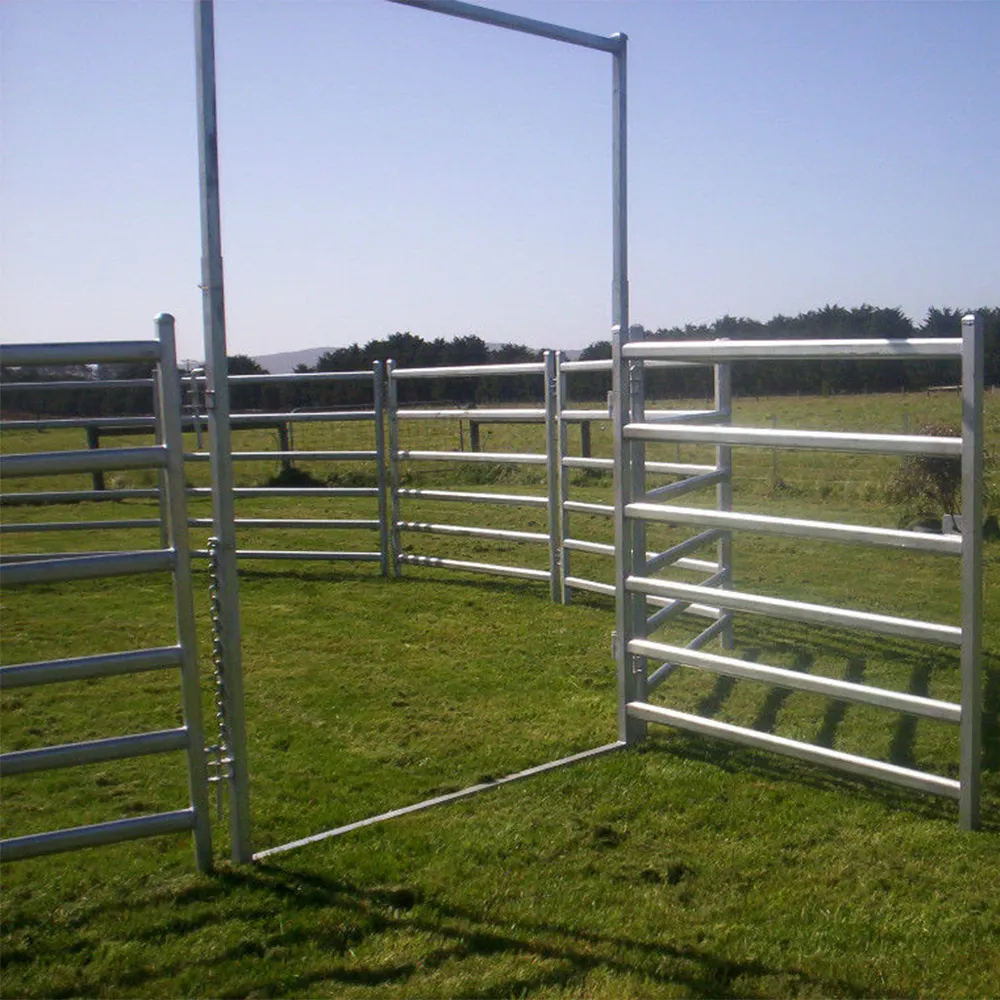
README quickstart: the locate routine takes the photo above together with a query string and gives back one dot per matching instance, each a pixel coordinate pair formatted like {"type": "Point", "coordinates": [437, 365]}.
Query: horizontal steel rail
{"type": "Point", "coordinates": [293, 522]}
{"type": "Point", "coordinates": [141, 425]}
{"type": "Point", "coordinates": [602, 549]}
{"type": "Point", "coordinates": [660, 468]}
{"type": "Point", "coordinates": [36, 844]}
{"type": "Point", "coordinates": [471, 371]}
{"type": "Point", "coordinates": [293, 377]}
{"type": "Point", "coordinates": [604, 365]}
{"type": "Point", "coordinates": [78, 668]}
{"type": "Point", "coordinates": [301, 417]}
{"type": "Point", "coordinates": [504, 499]}
{"type": "Point", "coordinates": [74, 496]}
{"type": "Point", "coordinates": [80, 383]}
{"type": "Point", "coordinates": [50, 463]}
{"type": "Point", "coordinates": [608, 590]}
{"type": "Point", "coordinates": [766, 437]}
{"type": "Point", "coordinates": [484, 457]}
{"type": "Point", "coordinates": [830, 531]}
{"type": "Point", "coordinates": [290, 491]}
{"type": "Point", "coordinates": [523, 415]}
{"type": "Point", "coordinates": [703, 638]}
{"type": "Point", "coordinates": [582, 507]}
{"type": "Point", "coordinates": [87, 567]}
{"type": "Point", "coordinates": [441, 799]}
{"type": "Point", "coordinates": [492, 569]}
{"type": "Point", "coordinates": [290, 555]}
{"type": "Point", "coordinates": [686, 486]}
{"type": "Point", "coordinates": [712, 351]}
{"type": "Point", "coordinates": [92, 751]}
{"type": "Point", "coordinates": [467, 531]}
{"type": "Point", "coordinates": [862, 694]}
{"type": "Point", "coordinates": [672, 606]}
{"type": "Point", "coordinates": [850, 763]}
{"type": "Point", "coordinates": [300, 456]}
{"type": "Point", "coordinates": [98, 352]}
{"type": "Point", "coordinates": [815, 614]}
{"type": "Point", "coordinates": [29, 527]}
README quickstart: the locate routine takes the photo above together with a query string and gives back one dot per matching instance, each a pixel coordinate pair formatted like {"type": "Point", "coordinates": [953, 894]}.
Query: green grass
{"type": "Point", "coordinates": [684, 868]}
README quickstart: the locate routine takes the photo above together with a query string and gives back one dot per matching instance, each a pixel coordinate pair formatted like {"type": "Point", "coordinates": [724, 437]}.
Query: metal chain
{"type": "Point", "coordinates": [220, 759]}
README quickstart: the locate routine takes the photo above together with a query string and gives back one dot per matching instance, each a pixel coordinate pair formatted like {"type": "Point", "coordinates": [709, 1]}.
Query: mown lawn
{"type": "Point", "coordinates": [682, 868]}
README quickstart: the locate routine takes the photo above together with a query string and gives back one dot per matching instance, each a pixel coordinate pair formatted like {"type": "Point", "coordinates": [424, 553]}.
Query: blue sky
{"type": "Point", "coordinates": [389, 169]}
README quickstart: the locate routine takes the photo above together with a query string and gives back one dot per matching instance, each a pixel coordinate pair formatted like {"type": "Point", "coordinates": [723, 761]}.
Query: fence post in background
{"type": "Point", "coordinates": [553, 467]}
{"type": "Point", "coordinates": [474, 435]}
{"type": "Point", "coordinates": [392, 418]}
{"type": "Point", "coordinates": [585, 449]}
{"type": "Point", "coordinates": [724, 491]}
{"type": "Point", "coordinates": [378, 396]}
{"type": "Point", "coordinates": [167, 391]}
{"type": "Point", "coordinates": [284, 444]}
{"type": "Point", "coordinates": [970, 737]}
{"type": "Point", "coordinates": [94, 441]}
{"type": "Point", "coordinates": [562, 431]}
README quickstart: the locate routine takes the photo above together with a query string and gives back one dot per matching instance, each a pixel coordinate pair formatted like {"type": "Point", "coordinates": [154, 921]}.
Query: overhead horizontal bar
{"type": "Point", "coordinates": [461, 530]}
{"type": "Point", "coordinates": [49, 463]}
{"type": "Point", "coordinates": [79, 668]}
{"type": "Point", "coordinates": [816, 614]}
{"type": "Point", "coordinates": [493, 569]}
{"type": "Point", "coordinates": [789, 350]}
{"type": "Point", "coordinates": [442, 799]}
{"type": "Point", "coordinates": [862, 766]}
{"type": "Point", "coordinates": [471, 371]}
{"type": "Point", "coordinates": [516, 22]}
{"type": "Point", "coordinates": [87, 567]}
{"type": "Point", "coordinates": [97, 352]}
{"type": "Point", "coordinates": [92, 752]}
{"type": "Point", "coordinates": [861, 694]}
{"type": "Point", "coordinates": [36, 844]}
{"type": "Point", "coordinates": [491, 457]}
{"type": "Point", "coordinates": [524, 415]}
{"type": "Point", "coordinates": [506, 499]}
{"type": "Point", "coordinates": [884, 444]}
{"type": "Point", "coordinates": [830, 531]}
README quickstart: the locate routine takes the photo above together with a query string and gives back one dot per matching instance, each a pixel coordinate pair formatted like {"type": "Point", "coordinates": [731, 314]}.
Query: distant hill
{"type": "Point", "coordinates": [286, 361]}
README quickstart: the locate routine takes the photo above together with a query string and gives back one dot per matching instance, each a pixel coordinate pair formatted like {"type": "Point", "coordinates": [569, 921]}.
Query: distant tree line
{"type": "Point", "coordinates": [761, 378]}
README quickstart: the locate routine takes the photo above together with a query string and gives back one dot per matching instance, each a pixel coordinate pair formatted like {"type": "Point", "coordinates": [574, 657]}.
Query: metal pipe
{"type": "Point", "coordinates": [788, 350]}
{"type": "Point", "coordinates": [31, 527]}
{"type": "Point", "coordinates": [93, 752]}
{"type": "Point", "coordinates": [970, 735]}
{"type": "Point", "coordinates": [798, 528]}
{"type": "Point", "coordinates": [300, 416]}
{"type": "Point", "coordinates": [723, 390]}
{"type": "Point", "coordinates": [516, 22]}
{"type": "Point", "coordinates": [36, 844]}
{"type": "Point", "coordinates": [51, 463]}
{"type": "Point", "coordinates": [478, 371]}
{"type": "Point", "coordinates": [504, 499]}
{"type": "Point", "coordinates": [885, 444]}
{"type": "Point", "coordinates": [291, 491]}
{"type": "Point", "coordinates": [98, 352]}
{"type": "Point", "coordinates": [670, 556]}
{"type": "Point", "coordinates": [684, 486]}
{"type": "Point", "coordinates": [293, 522]}
{"type": "Point", "coordinates": [74, 496]}
{"type": "Point", "coordinates": [303, 456]}
{"type": "Point", "coordinates": [82, 383]}
{"type": "Point", "coordinates": [378, 403]}
{"type": "Point", "coordinates": [392, 421]}
{"type": "Point", "coordinates": [476, 567]}
{"type": "Point", "coordinates": [487, 457]}
{"type": "Point", "coordinates": [87, 567]}
{"type": "Point", "coordinates": [803, 751]}
{"type": "Point", "coordinates": [599, 509]}
{"type": "Point", "coordinates": [552, 476]}
{"type": "Point", "coordinates": [523, 415]}
{"type": "Point", "coordinates": [461, 530]}
{"type": "Point", "coordinates": [217, 405]}
{"type": "Point", "coordinates": [85, 667]}
{"type": "Point", "coordinates": [304, 555]}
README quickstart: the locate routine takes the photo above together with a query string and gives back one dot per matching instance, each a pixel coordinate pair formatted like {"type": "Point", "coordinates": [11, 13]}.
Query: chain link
{"type": "Point", "coordinates": [220, 759]}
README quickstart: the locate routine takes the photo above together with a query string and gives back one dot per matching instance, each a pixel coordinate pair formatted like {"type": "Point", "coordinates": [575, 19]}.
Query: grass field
{"type": "Point", "coordinates": [683, 868]}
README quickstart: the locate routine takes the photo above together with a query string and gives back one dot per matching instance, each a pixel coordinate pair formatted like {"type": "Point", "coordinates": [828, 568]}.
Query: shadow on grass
{"type": "Point", "coordinates": [300, 929]}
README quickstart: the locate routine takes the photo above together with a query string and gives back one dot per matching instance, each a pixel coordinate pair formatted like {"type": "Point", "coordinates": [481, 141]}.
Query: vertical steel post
{"type": "Point", "coordinates": [562, 430]}
{"type": "Point", "coordinates": [631, 676]}
{"type": "Point", "coordinates": [174, 505]}
{"type": "Point", "coordinates": [553, 466]}
{"type": "Point", "coordinates": [378, 397]}
{"type": "Point", "coordinates": [724, 492]}
{"type": "Point", "coordinates": [972, 571]}
{"type": "Point", "coordinates": [395, 542]}
{"type": "Point", "coordinates": [217, 406]}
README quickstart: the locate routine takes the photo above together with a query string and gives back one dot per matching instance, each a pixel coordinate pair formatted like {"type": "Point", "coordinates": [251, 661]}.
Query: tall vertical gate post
{"type": "Point", "coordinates": [630, 608]}
{"type": "Point", "coordinates": [168, 393]}
{"type": "Point", "coordinates": [378, 402]}
{"type": "Point", "coordinates": [971, 725]}
{"type": "Point", "coordinates": [553, 467]}
{"type": "Point", "coordinates": [562, 433]}
{"type": "Point", "coordinates": [217, 406]}
{"type": "Point", "coordinates": [392, 418]}
{"type": "Point", "coordinates": [724, 492]}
